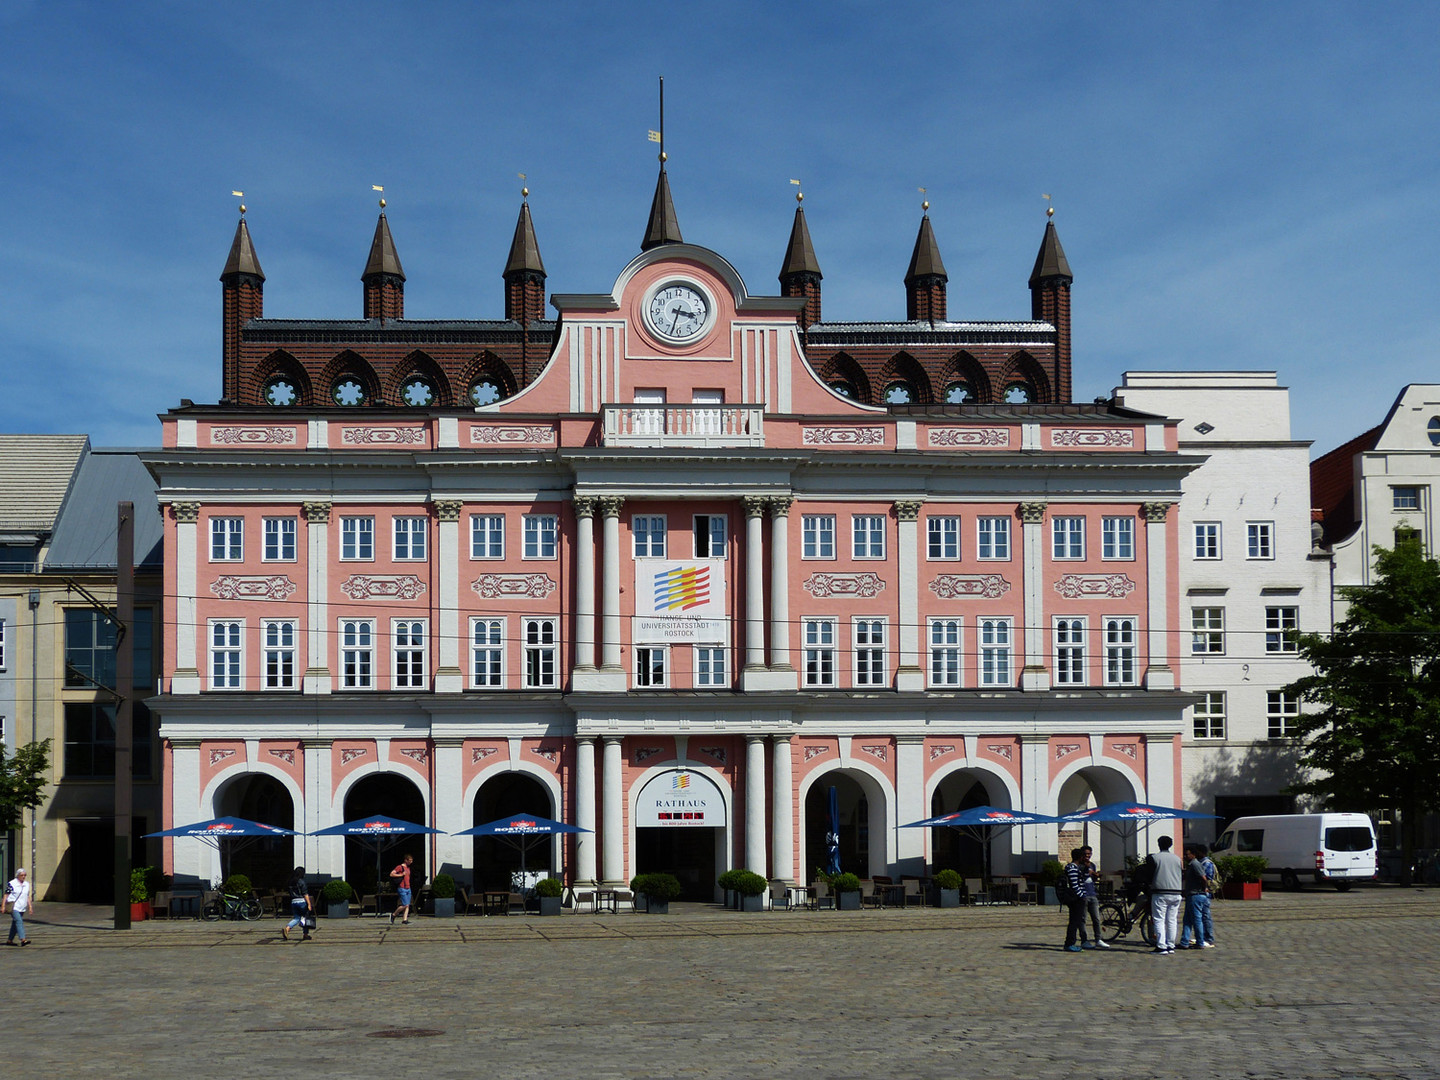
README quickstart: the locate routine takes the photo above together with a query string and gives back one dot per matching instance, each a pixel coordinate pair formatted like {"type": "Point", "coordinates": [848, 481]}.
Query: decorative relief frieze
{"type": "Point", "coordinates": [969, 586]}
{"type": "Point", "coordinates": [1129, 749]}
{"type": "Point", "coordinates": [1002, 750]}
{"type": "Point", "coordinates": [486, 434]}
{"type": "Point", "coordinates": [715, 752]}
{"type": "Point", "coordinates": [279, 436]}
{"type": "Point", "coordinates": [256, 587]}
{"type": "Point", "coordinates": [645, 753]}
{"type": "Point", "coordinates": [823, 586]}
{"type": "Point", "coordinates": [969, 436]}
{"type": "Point", "coordinates": [550, 754]}
{"type": "Point", "coordinates": [287, 756]}
{"type": "Point", "coordinates": [524, 586]}
{"type": "Point", "coordinates": [480, 753]}
{"type": "Point", "coordinates": [420, 755]}
{"type": "Point", "coordinates": [1065, 437]}
{"type": "Point", "coordinates": [879, 752]}
{"type": "Point", "coordinates": [187, 513]}
{"type": "Point", "coordinates": [812, 752]}
{"type": "Point", "coordinates": [317, 513]}
{"type": "Point", "coordinates": [843, 436]}
{"type": "Point", "coordinates": [1064, 750]}
{"type": "Point", "coordinates": [383, 587]}
{"type": "Point", "coordinates": [382, 436]}
{"type": "Point", "coordinates": [940, 751]}
{"type": "Point", "coordinates": [217, 756]}
{"type": "Point", "coordinates": [352, 754]}
{"type": "Point", "coordinates": [447, 509]}
{"type": "Point", "coordinates": [1079, 586]}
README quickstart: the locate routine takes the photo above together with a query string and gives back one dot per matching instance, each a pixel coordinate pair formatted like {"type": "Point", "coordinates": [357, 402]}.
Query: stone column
{"type": "Point", "coordinates": [780, 584]}
{"type": "Point", "coordinates": [754, 584]}
{"type": "Point", "coordinates": [910, 802]}
{"type": "Point", "coordinates": [1035, 792]}
{"type": "Point", "coordinates": [755, 804]}
{"type": "Point", "coordinates": [585, 584]}
{"type": "Point", "coordinates": [186, 677]}
{"type": "Point", "coordinates": [584, 870]}
{"type": "Point", "coordinates": [449, 674]}
{"type": "Point", "coordinates": [612, 792]}
{"type": "Point", "coordinates": [782, 810]}
{"type": "Point", "coordinates": [317, 609]}
{"type": "Point", "coordinates": [450, 816]}
{"type": "Point", "coordinates": [1158, 674]}
{"type": "Point", "coordinates": [610, 507]}
{"type": "Point", "coordinates": [1036, 673]}
{"type": "Point", "coordinates": [910, 674]}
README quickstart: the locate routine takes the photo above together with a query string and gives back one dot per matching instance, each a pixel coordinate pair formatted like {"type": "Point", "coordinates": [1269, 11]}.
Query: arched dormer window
{"type": "Point", "coordinates": [960, 393]}
{"type": "Point", "coordinates": [484, 390]}
{"type": "Point", "coordinates": [348, 390]}
{"type": "Point", "coordinates": [843, 388]}
{"type": "Point", "coordinates": [417, 391]}
{"type": "Point", "coordinates": [1019, 393]}
{"type": "Point", "coordinates": [899, 393]}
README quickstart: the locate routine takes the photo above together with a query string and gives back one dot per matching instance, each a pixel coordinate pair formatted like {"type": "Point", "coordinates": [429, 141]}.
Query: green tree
{"type": "Point", "coordinates": [22, 781]}
{"type": "Point", "coordinates": [1375, 740]}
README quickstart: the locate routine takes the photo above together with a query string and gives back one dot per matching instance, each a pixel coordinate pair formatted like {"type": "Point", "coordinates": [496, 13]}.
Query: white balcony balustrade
{"type": "Point", "coordinates": [664, 425]}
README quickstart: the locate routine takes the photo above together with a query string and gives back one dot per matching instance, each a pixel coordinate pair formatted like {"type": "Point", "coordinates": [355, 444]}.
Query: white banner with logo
{"type": "Point", "coordinates": [679, 602]}
{"type": "Point", "coordinates": [680, 799]}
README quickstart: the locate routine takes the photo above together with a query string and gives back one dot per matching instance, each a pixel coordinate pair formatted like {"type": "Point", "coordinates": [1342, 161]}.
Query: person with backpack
{"type": "Point", "coordinates": [1167, 878]}
{"type": "Point", "coordinates": [1197, 898]}
{"type": "Point", "coordinates": [302, 906]}
{"type": "Point", "coordinates": [1069, 890]}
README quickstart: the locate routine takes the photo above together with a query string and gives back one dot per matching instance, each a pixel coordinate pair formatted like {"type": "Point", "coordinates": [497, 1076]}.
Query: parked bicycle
{"type": "Point", "coordinates": [230, 906]}
{"type": "Point", "coordinates": [1118, 917]}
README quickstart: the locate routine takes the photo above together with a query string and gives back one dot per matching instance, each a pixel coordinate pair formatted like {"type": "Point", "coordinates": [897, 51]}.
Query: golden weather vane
{"type": "Point", "coordinates": [925, 204]}
{"type": "Point", "coordinates": [799, 195]}
{"type": "Point", "coordinates": [1049, 206]}
{"type": "Point", "coordinates": [240, 195]}
{"type": "Point", "coordinates": [524, 190]}
{"type": "Point", "coordinates": [659, 136]}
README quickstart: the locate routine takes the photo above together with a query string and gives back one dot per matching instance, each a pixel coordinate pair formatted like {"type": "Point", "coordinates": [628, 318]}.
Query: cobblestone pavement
{"type": "Point", "coordinates": [1308, 986]}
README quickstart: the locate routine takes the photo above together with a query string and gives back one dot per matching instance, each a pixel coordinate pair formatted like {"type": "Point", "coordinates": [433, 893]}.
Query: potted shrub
{"type": "Point", "coordinates": [726, 881]}
{"type": "Point", "coordinates": [846, 888]}
{"type": "Point", "coordinates": [947, 888]}
{"type": "Point", "coordinates": [548, 892]}
{"type": "Point", "coordinates": [658, 890]}
{"type": "Point", "coordinates": [1240, 875]}
{"type": "Point", "coordinates": [750, 887]}
{"type": "Point", "coordinates": [1050, 871]}
{"type": "Point", "coordinates": [140, 894]}
{"type": "Point", "coordinates": [335, 896]}
{"type": "Point", "coordinates": [442, 896]}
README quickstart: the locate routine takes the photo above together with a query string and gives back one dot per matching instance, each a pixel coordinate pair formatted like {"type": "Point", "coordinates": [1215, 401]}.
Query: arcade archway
{"type": "Point", "coordinates": [258, 797]}
{"type": "Point", "coordinates": [953, 849]}
{"type": "Point", "coordinates": [1095, 785]}
{"type": "Point", "coordinates": [495, 859]}
{"type": "Point", "coordinates": [390, 795]}
{"type": "Point", "coordinates": [680, 828]}
{"type": "Point", "coordinates": [862, 823]}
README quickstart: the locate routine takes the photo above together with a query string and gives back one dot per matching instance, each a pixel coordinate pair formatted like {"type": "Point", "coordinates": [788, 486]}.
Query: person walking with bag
{"type": "Point", "coordinates": [1166, 882]}
{"type": "Point", "coordinates": [302, 906]}
{"type": "Point", "coordinates": [18, 900]}
{"type": "Point", "coordinates": [401, 874]}
{"type": "Point", "coordinates": [1069, 890]}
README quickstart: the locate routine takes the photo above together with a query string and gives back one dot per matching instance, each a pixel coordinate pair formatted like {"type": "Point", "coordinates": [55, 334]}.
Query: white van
{"type": "Point", "coordinates": [1325, 848]}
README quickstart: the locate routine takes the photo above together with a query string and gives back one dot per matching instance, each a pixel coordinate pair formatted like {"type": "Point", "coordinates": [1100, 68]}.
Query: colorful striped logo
{"type": "Point", "coordinates": [681, 782]}
{"type": "Point", "coordinates": [682, 588]}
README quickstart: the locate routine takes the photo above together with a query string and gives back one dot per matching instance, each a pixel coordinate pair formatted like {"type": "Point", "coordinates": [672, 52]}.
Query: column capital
{"type": "Point", "coordinates": [780, 505]}
{"type": "Point", "coordinates": [755, 505]}
{"type": "Point", "coordinates": [612, 740]}
{"type": "Point", "coordinates": [317, 513]}
{"type": "Point", "coordinates": [1155, 513]}
{"type": "Point", "coordinates": [447, 509]}
{"type": "Point", "coordinates": [585, 506]}
{"type": "Point", "coordinates": [908, 509]}
{"type": "Point", "coordinates": [611, 505]}
{"type": "Point", "coordinates": [589, 739]}
{"type": "Point", "coordinates": [1032, 513]}
{"type": "Point", "coordinates": [783, 738]}
{"type": "Point", "coordinates": [187, 513]}
{"type": "Point", "coordinates": [753, 737]}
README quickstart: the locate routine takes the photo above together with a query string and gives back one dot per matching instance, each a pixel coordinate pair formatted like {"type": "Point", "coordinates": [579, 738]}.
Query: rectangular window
{"type": "Point", "coordinates": [648, 532]}
{"type": "Point", "coordinates": [487, 653]}
{"type": "Point", "coordinates": [1207, 631]}
{"type": "Point", "coordinates": [277, 640]}
{"type": "Point", "coordinates": [1207, 540]}
{"type": "Point", "coordinates": [650, 665]}
{"type": "Point", "coordinates": [1210, 715]}
{"type": "Point", "coordinates": [711, 536]}
{"type": "Point", "coordinates": [1281, 712]}
{"type": "Point", "coordinates": [945, 652]}
{"type": "Point", "coordinates": [1280, 624]}
{"type": "Point", "coordinates": [89, 751]}
{"type": "Point", "coordinates": [487, 536]}
{"type": "Point", "coordinates": [357, 654]}
{"type": "Point", "coordinates": [409, 656]}
{"type": "Point", "coordinates": [89, 648]}
{"type": "Point", "coordinates": [992, 538]}
{"type": "Point", "coordinates": [995, 666]}
{"type": "Point", "coordinates": [279, 539]}
{"type": "Point", "coordinates": [1067, 538]}
{"type": "Point", "coordinates": [1121, 653]}
{"type": "Point", "coordinates": [819, 652]}
{"type": "Point", "coordinates": [710, 666]}
{"type": "Point", "coordinates": [227, 539]}
{"type": "Point", "coordinates": [1117, 538]}
{"type": "Point", "coordinates": [540, 653]}
{"type": "Point", "coordinates": [143, 634]}
{"type": "Point", "coordinates": [226, 636]}
{"type": "Point", "coordinates": [540, 532]}
{"type": "Point", "coordinates": [410, 538]}
{"type": "Point", "coordinates": [1070, 652]}
{"type": "Point", "coordinates": [817, 536]}
{"type": "Point", "coordinates": [1259, 539]}
{"type": "Point", "coordinates": [1405, 498]}
{"type": "Point", "coordinates": [867, 532]}
{"type": "Point", "coordinates": [943, 536]}
{"type": "Point", "coordinates": [870, 652]}
{"type": "Point", "coordinates": [357, 538]}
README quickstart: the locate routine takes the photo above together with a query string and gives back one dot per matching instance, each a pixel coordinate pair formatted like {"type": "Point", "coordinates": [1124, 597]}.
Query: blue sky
{"type": "Point", "coordinates": [1238, 185]}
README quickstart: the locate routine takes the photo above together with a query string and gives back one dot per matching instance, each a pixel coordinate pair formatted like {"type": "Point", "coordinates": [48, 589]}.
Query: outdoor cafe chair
{"type": "Point", "coordinates": [975, 889]}
{"type": "Point", "coordinates": [820, 896]}
{"type": "Point", "coordinates": [161, 903]}
{"type": "Point", "coordinates": [871, 894]}
{"type": "Point", "coordinates": [779, 896]}
{"type": "Point", "coordinates": [913, 892]}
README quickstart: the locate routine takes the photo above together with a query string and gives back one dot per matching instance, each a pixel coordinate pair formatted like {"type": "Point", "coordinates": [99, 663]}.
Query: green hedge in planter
{"type": "Point", "coordinates": [947, 879]}
{"type": "Point", "coordinates": [1239, 868]}
{"type": "Point", "coordinates": [726, 880]}
{"type": "Point", "coordinates": [845, 883]}
{"type": "Point", "coordinates": [549, 887]}
{"type": "Point", "coordinates": [442, 887]}
{"type": "Point", "coordinates": [664, 887]}
{"type": "Point", "coordinates": [139, 891]}
{"type": "Point", "coordinates": [336, 892]}
{"type": "Point", "coordinates": [748, 883]}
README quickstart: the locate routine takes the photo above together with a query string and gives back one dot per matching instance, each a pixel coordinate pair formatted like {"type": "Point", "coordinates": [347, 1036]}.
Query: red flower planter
{"type": "Point", "coordinates": [1240, 890]}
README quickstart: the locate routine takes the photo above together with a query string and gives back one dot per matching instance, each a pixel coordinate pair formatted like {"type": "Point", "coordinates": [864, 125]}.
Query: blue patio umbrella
{"type": "Point", "coordinates": [520, 830]}
{"type": "Point", "coordinates": [1125, 818]}
{"type": "Point", "coordinates": [219, 832]}
{"type": "Point", "coordinates": [832, 838]}
{"type": "Point", "coordinates": [980, 822]}
{"type": "Point", "coordinates": [378, 830]}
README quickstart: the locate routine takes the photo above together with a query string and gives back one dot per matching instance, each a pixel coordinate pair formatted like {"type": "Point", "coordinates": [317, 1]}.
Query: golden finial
{"type": "Point", "coordinates": [524, 191]}
{"type": "Point", "coordinates": [240, 195]}
{"type": "Point", "coordinates": [379, 187]}
{"type": "Point", "coordinates": [664, 157]}
{"type": "Point", "coordinates": [925, 204]}
{"type": "Point", "coordinates": [799, 195]}
{"type": "Point", "coordinates": [1049, 206]}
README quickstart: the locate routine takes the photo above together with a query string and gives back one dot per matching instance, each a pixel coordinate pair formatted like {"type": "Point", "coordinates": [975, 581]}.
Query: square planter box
{"type": "Point", "coordinates": [338, 911]}
{"type": "Point", "coordinates": [847, 901]}
{"type": "Point", "coordinates": [657, 907]}
{"type": "Point", "coordinates": [1240, 890]}
{"type": "Point", "coordinates": [548, 905]}
{"type": "Point", "coordinates": [139, 910]}
{"type": "Point", "coordinates": [946, 898]}
{"type": "Point", "coordinates": [752, 903]}
{"type": "Point", "coordinates": [443, 909]}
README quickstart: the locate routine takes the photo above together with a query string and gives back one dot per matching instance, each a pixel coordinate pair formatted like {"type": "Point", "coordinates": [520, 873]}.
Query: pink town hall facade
{"type": "Point", "coordinates": [672, 589]}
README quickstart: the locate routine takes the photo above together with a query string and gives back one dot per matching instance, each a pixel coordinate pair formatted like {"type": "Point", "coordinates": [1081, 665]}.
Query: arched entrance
{"type": "Point", "coordinates": [258, 797]}
{"type": "Point", "coordinates": [390, 795]}
{"type": "Point", "coordinates": [960, 850]}
{"type": "Point", "coordinates": [680, 826]}
{"type": "Point", "coordinates": [495, 859]}
{"type": "Point", "coordinates": [1096, 785]}
{"type": "Point", "coordinates": [862, 823]}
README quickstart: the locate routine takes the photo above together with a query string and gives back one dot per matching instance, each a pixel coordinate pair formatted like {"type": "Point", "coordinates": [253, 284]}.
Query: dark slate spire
{"type": "Point", "coordinates": [384, 279]}
{"type": "Point", "coordinates": [524, 251]}
{"type": "Point", "coordinates": [925, 260]}
{"type": "Point", "coordinates": [243, 259]}
{"type": "Point", "coordinates": [524, 272]}
{"type": "Point", "coordinates": [926, 278]}
{"type": "Point", "coordinates": [383, 258]}
{"type": "Point", "coordinates": [242, 293]}
{"type": "Point", "coordinates": [1050, 302]}
{"type": "Point", "coordinates": [800, 274]}
{"type": "Point", "coordinates": [663, 227]}
{"type": "Point", "coordinates": [1050, 264]}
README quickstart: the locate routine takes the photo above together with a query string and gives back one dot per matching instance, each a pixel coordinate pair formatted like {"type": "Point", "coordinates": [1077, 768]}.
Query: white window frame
{"type": "Point", "coordinates": [410, 534]}
{"type": "Point", "coordinates": [942, 538]}
{"type": "Point", "coordinates": [869, 637]}
{"type": "Point", "coordinates": [818, 637]}
{"type": "Point", "coordinates": [652, 667]}
{"type": "Point", "coordinates": [1209, 720]}
{"type": "Point", "coordinates": [1117, 539]}
{"type": "Point", "coordinates": [278, 539]}
{"type": "Point", "coordinates": [648, 536]}
{"type": "Point", "coordinates": [817, 536]}
{"type": "Point", "coordinates": [487, 653]}
{"type": "Point", "coordinates": [487, 536]}
{"type": "Point", "coordinates": [357, 654]}
{"type": "Point", "coordinates": [540, 642]}
{"type": "Point", "coordinates": [1207, 631]}
{"type": "Point", "coordinates": [1122, 650]}
{"type": "Point", "coordinates": [1281, 712]}
{"type": "Point", "coordinates": [714, 546]}
{"type": "Point", "coordinates": [541, 537]}
{"type": "Point", "coordinates": [227, 539]}
{"type": "Point", "coordinates": [279, 653]}
{"type": "Point", "coordinates": [867, 536]}
{"type": "Point", "coordinates": [712, 666]}
{"type": "Point", "coordinates": [227, 657]}
{"type": "Point", "coordinates": [1067, 537]}
{"type": "Point", "coordinates": [357, 538]}
{"type": "Point", "coordinates": [1279, 619]}
{"type": "Point", "coordinates": [1071, 654]}
{"type": "Point", "coordinates": [1260, 540]}
{"type": "Point", "coordinates": [1208, 541]}
{"type": "Point", "coordinates": [995, 637]}
{"type": "Point", "coordinates": [409, 653]}
{"type": "Point", "coordinates": [946, 639]}
{"type": "Point", "coordinates": [1406, 504]}
{"type": "Point", "coordinates": [992, 538]}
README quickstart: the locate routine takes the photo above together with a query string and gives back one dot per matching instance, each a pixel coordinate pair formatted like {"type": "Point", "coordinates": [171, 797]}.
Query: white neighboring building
{"type": "Point", "coordinates": [1248, 572]}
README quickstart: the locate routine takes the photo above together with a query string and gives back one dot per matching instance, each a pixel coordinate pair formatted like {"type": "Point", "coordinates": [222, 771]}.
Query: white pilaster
{"type": "Point", "coordinates": [1035, 792]}
{"type": "Point", "coordinates": [454, 853]}
{"type": "Point", "coordinates": [612, 794]}
{"type": "Point", "coordinates": [755, 804]}
{"type": "Point", "coordinates": [317, 608]}
{"type": "Point", "coordinates": [910, 802]}
{"type": "Point", "coordinates": [782, 810]}
{"type": "Point", "coordinates": [323, 854]}
{"type": "Point", "coordinates": [186, 678]}
{"type": "Point", "coordinates": [1158, 674]}
{"type": "Point", "coordinates": [1036, 673]}
{"type": "Point", "coordinates": [585, 810]}
{"type": "Point", "coordinates": [449, 675]}
{"type": "Point", "coordinates": [910, 675]}
{"type": "Point", "coordinates": [185, 808]}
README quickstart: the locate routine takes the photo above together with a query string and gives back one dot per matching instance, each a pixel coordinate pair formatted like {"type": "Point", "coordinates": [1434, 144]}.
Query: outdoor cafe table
{"type": "Point", "coordinates": [800, 895]}
{"type": "Point", "coordinates": [189, 902]}
{"type": "Point", "coordinates": [495, 902]}
{"type": "Point", "coordinates": [607, 900]}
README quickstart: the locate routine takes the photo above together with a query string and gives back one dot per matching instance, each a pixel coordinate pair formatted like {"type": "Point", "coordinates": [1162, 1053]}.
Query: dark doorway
{"type": "Point", "coordinates": [385, 795]}
{"type": "Point", "coordinates": [689, 854]}
{"type": "Point", "coordinates": [496, 859]}
{"type": "Point", "coordinates": [854, 825]}
{"type": "Point", "coordinates": [953, 849]}
{"type": "Point", "coordinates": [89, 862]}
{"type": "Point", "coordinates": [266, 862]}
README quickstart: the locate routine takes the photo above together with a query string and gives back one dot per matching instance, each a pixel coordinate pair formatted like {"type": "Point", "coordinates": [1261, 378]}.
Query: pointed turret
{"type": "Point", "coordinates": [926, 278]}
{"type": "Point", "coordinates": [242, 292]}
{"type": "Point", "coordinates": [663, 227]}
{"type": "Point", "coordinates": [800, 274]}
{"type": "Point", "coordinates": [524, 273]}
{"type": "Point", "coordinates": [384, 280]}
{"type": "Point", "coordinates": [1050, 302]}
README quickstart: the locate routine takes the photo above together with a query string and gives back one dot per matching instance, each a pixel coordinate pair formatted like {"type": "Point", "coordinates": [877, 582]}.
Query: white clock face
{"type": "Point", "coordinates": [678, 312]}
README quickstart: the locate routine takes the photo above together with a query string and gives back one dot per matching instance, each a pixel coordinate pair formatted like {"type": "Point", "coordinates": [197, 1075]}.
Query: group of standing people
{"type": "Point", "coordinates": [1173, 883]}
